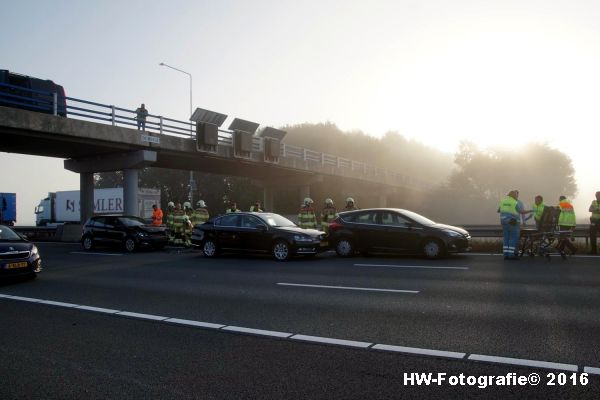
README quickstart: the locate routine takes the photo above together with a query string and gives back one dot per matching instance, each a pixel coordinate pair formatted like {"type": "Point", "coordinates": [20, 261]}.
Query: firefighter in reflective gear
{"type": "Point", "coordinates": [510, 215]}
{"type": "Point", "coordinates": [157, 216]}
{"type": "Point", "coordinates": [232, 208]}
{"type": "Point", "coordinates": [187, 223]}
{"type": "Point", "coordinates": [350, 206]}
{"type": "Point", "coordinates": [328, 214]}
{"type": "Point", "coordinates": [178, 215]}
{"type": "Point", "coordinates": [594, 222]}
{"type": "Point", "coordinates": [200, 214]}
{"type": "Point", "coordinates": [566, 223]}
{"type": "Point", "coordinates": [538, 210]}
{"type": "Point", "coordinates": [256, 207]}
{"type": "Point", "coordinates": [170, 220]}
{"type": "Point", "coordinates": [306, 216]}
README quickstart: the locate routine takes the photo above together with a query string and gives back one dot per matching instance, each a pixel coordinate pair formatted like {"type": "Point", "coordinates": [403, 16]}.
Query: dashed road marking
{"type": "Point", "coordinates": [408, 266]}
{"type": "Point", "coordinates": [522, 362]}
{"type": "Point", "coordinates": [315, 339]}
{"type": "Point", "coordinates": [415, 350]}
{"type": "Point", "coordinates": [348, 288]}
{"type": "Point", "coordinates": [96, 254]}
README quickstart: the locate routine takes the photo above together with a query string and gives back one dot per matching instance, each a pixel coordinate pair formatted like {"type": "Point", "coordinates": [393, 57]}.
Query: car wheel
{"type": "Point", "coordinates": [281, 251]}
{"type": "Point", "coordinates": [433, 248]}
{"type": "Point", "coordinates": [88, 243]}
{"type": "Point", "coordinates": [209, 248]}
{"type": "Point", "coordinates": [344, 248]}
{"type": "Point", "coordinates": [129, 244]}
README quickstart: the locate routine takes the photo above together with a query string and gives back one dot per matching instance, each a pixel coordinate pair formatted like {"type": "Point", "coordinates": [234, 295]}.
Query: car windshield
{"type": "Point", "coordinates": [7, 234]}
{"type": "Point", "coordinates": [417, 218]}
{"type": "Point", "coordinates": [277, 220]}
{"type": "Point", "coordinates": [132, 221]}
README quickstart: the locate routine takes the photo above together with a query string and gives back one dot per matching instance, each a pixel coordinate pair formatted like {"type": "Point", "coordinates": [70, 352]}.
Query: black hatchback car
{"type": "Point", "coordinates": [394, 230]}
{"type": "Point", "coordinates": [257, 233]}
{"type": "Point", "coordinates": [18, 256]}
{"type": "Point", "coordinates": [129, 232]}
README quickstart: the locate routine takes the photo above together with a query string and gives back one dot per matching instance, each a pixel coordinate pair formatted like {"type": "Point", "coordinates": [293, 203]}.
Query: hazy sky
{"type": "Point", "coordinates": [495, 72]}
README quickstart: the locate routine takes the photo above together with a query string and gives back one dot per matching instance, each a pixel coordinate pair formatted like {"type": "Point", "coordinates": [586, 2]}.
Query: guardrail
{"type": "Point", "coordinates": [53, 103]}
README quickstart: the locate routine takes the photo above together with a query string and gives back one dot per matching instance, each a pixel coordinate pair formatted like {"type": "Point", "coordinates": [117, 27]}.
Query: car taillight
{"type": "Point", "coordinates": [334, 225]}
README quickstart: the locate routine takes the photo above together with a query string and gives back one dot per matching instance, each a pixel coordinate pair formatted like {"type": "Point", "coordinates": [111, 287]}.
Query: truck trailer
{"type": "Point", "coordinates": [63, 206]}
{"type": "Point", "coordinates": [8, 208]}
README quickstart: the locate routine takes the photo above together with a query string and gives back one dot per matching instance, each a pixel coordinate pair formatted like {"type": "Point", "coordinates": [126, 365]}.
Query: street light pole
{"type": "Point", "coordinates": [191, 193]}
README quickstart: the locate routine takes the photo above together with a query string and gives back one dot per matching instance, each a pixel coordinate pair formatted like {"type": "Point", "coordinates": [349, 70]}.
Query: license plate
{"type": "Point", "coordinates": [324, 244]}
{"type": "Point", "coordinates": [16, 265]}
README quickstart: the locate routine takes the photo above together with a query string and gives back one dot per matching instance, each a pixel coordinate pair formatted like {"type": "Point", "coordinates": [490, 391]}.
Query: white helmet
{"type": "Point", "coordinates": [350, 200]}
{"type": "Point", "coordinates": [201, 204]}
{"type": "Point", "coordinates": [308, 201]}
{"type": "Point", "coordinates": [186, 218]}
{"type": "Point", "coordinates": [171, 204]}
{"type": "Point", "coordinates": [187, 204]}
{"type": "Point", "coordinates": [329, 202]}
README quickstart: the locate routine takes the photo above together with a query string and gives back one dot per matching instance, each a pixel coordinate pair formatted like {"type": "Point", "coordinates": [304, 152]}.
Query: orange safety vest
{"type": "Point", "coordinates": [157, 216]}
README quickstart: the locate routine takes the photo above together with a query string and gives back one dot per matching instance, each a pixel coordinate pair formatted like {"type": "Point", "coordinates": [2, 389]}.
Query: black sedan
{"type": "Point", "coordinates": [18, 256]}
{"type": "Point", "coordinates": [257, 233]}
{"type": "Point", "coordinates": [394, 230]}
{"type": "Point", "coordinates": [130, 233]}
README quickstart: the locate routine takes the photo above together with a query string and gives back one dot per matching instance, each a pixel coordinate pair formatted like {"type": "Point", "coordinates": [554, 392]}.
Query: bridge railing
{"type": "Point", "coordinates": [53, 103]}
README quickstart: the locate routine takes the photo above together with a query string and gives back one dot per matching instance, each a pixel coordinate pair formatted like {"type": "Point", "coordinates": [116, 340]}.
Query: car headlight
{"type": "Point", "coordinates": [300, 238]}
{"type": "Point", "coordinates": [34, 251]}
{"type": "Point", "coordinates": [453, 233]}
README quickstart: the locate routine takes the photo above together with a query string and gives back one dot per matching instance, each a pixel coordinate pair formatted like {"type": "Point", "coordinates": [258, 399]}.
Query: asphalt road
{"type": "Point", "coordinates": [468, 306]}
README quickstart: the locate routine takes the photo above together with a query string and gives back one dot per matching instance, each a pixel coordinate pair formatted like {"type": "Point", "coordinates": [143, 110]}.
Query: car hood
{"type": "Point", "coordinates": [296, 229]}
{"type": "Point", "coordinates": [5, 247]}
{"type": "Point", "coordinates": [152, 229]}
{"type": "Point", "coordinates": [450, 228]}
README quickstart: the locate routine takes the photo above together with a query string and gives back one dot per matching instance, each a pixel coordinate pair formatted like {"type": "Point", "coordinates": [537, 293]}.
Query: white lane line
{"type": "Point", "coordinates": [592, 370]}
{"type": "Point", "coordinates": [141, 316]}
{"type": "Point", "coordinates": [415, 350]}
{"type": "Point", "coordinates": [523, 362]}
{"type": "Point", "coordinates": [407, 266]}
{"type": "Point", "coordinates": [318, 339]}
{"type": "Point", "coordinates": [95, 254]}
{"type": "Point", "coordinates": [193, 323]}
{"type": "Point", "coordinates": [29, 299]}
{"type": "Point", "coordinates": [257, 331]}
{"type": "Point", "coordinates": [58, 303]}
{"type": "Point", "coordinates": [348, 288]}
{"type": "Point", "coordinates": [98, 309]}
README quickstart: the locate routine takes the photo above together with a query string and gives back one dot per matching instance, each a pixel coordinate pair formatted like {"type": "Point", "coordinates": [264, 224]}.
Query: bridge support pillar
{"type": "Point", "coordinates": [86, 199]}
{"type": "Point", "coordinates": [130, 192]}
{"type": "Point", "coordinates": [268, 192]}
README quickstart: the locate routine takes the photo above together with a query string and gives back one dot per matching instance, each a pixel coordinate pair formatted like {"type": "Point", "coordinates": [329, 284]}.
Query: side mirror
{"type": "Point", "coordinates": [261, 228]}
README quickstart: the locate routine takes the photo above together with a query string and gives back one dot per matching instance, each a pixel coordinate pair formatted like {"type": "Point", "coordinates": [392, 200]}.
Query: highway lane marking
{"type": "Point", "coordinates": [591, 370]}
{"type": "Point", "coordinates": [96, 254]}
{"type": "Point", "coordinates": [408, 266]}
{"type": "Point", "coordinates": [315, 339]}
{"type": "Point", "coordinates": [348, 288]}
{"type": "Point", "coordinates": [141, 316]}
{"type": "Point", "coordinates": [341, 342]}
{"type": "Point", "coordinates": [415, 350]}
{"type": "Point", "coordinates": [260, 332]}
{"type": "Point", "coordinates": [523, 362]}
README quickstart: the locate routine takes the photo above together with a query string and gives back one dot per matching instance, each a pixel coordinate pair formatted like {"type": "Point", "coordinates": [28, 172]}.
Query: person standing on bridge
{"type": "Point", "coordinates": [141, 114]}
{"type": "Point", "coordinates": [157, 215]}
{"type": "Point", "coordinates": [594, 222]}
{"type": "Point", "coordinates": [510, 216]}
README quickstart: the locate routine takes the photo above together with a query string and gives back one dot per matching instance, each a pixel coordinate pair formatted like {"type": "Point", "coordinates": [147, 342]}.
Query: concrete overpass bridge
{"type": "Point", "coordinates": [101, 138]}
